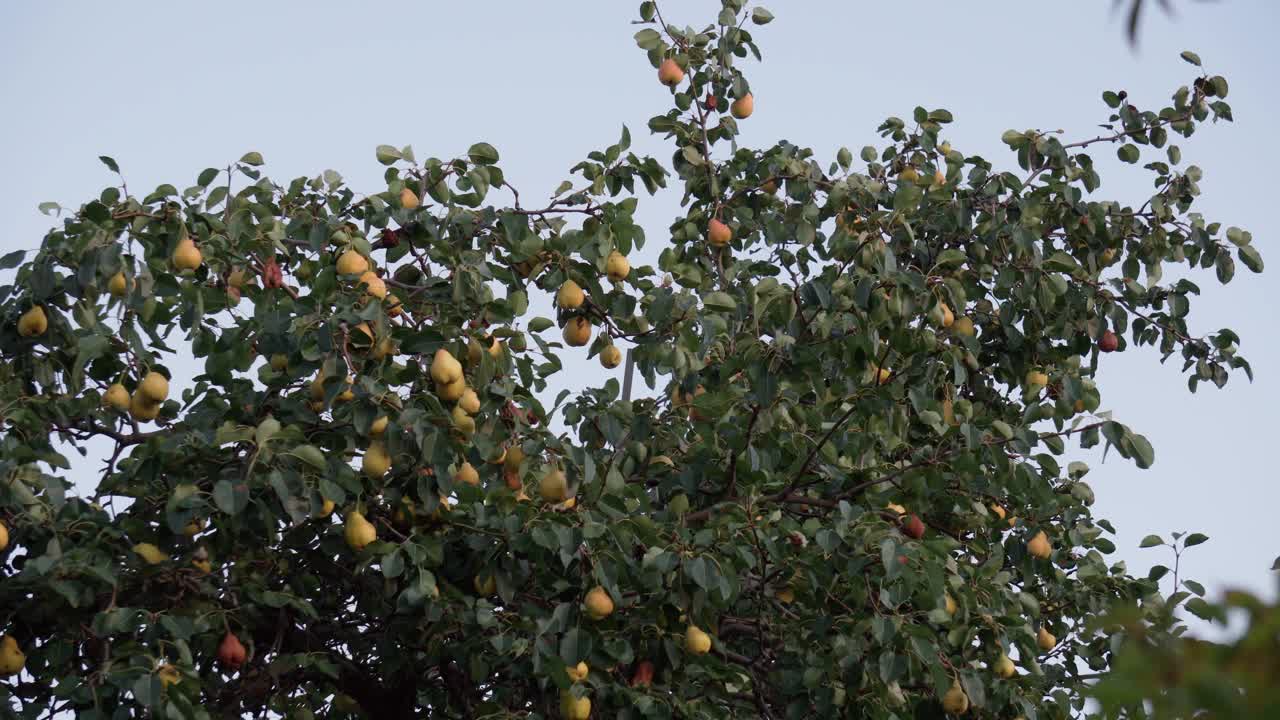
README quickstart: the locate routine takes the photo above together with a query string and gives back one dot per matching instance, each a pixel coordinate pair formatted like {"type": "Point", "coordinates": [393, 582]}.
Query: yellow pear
{"type": "Point", "coordinates": [379, 426]}
{"type": "Point", "coordinates": [463, 422]}
{"type": "Point", "coordinates": [599, 604]}
{"type": "Point", "coordinates": [194, 527]}
{"type": "Point", "coordinates": [579, 672]}
{"type": "Point", "coordinates": [896, 508]}
{"type": "Point", "coordinates": [572, 708]}
{"type": "Point", "coordinates": [670, 73]}
{"type": "Point", "coordinates": [570, 296]}
{"type": "Point", "coordinates": [577, 331]}
{"type": "Point", "coordinates": [617, 267]}
{"type": "Point", "coordinates": [376, 462]}
{"type": "Point", "coordinates": [949, 604]}
{"type": "Point", "coordinates": [945, 147]}
{"type": "Point", "coordinates": [4, 537]}
{"type": "Point", "coordinates": [33, 322]}
{"type": "Point", "coordinates": [484, 586]}
{"type": "Point", "coordinates": [119, 285]}
{"type": "Point", "coordinates": [909, 174]}
{"type": "Point", "coordinates": [373, 284]}
{"type": "Point", "coordinates": [1039, 546]}
{"type": "Point", "coordinates": [1045, 639]}
{"type": "Point", "coordinates": [154, 387]}
{"type": "Point", "coordinates": [948, 317]}
{"type": "Point", "coordinates": [786, 595]}
{"type": "Point", "coordinates": [168, 675]}
{"type": "Point", "coordinates": [357, 531]}
{"type": "Point", "coordinates": [326, 508]}
{"type": "Point", "coordinates": [743, 107]}
{"type": "Point", "coordinates": [445, 368]}
{"type": "Point", "coordinates": [204, 566]}
{"type": "Point", "coordinates": [142, 409]}
{"type": "Point", "coordinates": [452, 392]}
{"type": "Point", "coordinates": [610, 357]}
{"type": "Point", "coordinates": [467, 474]}
{"type": "Point", "coordinates": [11, 656]}
{"type": "Point", "coordinates": [116, 397]}
{"type": "Point", "coordinates": [515, 456]}
{"type": "Point", "coordinates": [1003, 667]}
{"type": "Point", "coordinates": [955, 701]}
{"type": "Point", "coordinates": [150, 553]}
{"type": "Point", "coordinates": [696, 641]}
{"type": "Point", "coordinates": [394, 306]}
{"type": "Point", "coordinates": [186, 256]}
{"type": "Point", "coordinates": [883, 375]}
{"type": "Point", "coordinates": [495, 349]}
{"type": "Point", "coordinates": [1036, 379]}
{"type": "Point", "coordinates": [383, 348]}
{"type": "Point", "coordinates": [235, 278]}
{"type": "Point", "coordinates": [352, 263]}
{"type": "Point", "coordinates": [963, 326]}
{"type": "Point", "coordinates": [409, 199]}
{"type": "Point", "coordinates": [553, 487]}
{"type": "Point", "coordinates": [469, 402]}
{"type": "Point", "coordinates": [474, 352]}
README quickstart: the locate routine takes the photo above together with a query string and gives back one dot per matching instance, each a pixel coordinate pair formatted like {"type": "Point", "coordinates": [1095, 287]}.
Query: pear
{"type": "Point", "coordinates": [142, 409]}
{"type": "Point", "coordinates": [231, 652]}
{"type": "Point", "coordinates": [33, 322]}
{"type": "Point", "coordinates": [572, 708]}
{"type": "Point", "coordinates": [154, 387]}
{"type": "Point", "coordinates": [1036, 379]}
{"type": "Point", "coordinates": [495, 349]}
{"type": "Point", "coordinates": [1108, 256]}
{"type": "Point", "coordinates": [939, 178]}
{"type": "Point", "coordinates": [116, 397]}
{"type": "Point", "coordinates": [485, 586]}
{"type": "Point", "coordinates": [913, 527]}
{"type": "Point", "coordinates": [511, 461]}
{"type": "Point", "coordinates": [376, 462]}
{"type": "Point", "coordinates": [474, 352]}
{"type": "Point", "coordinates": [186, 256]}
{"type": "Point", "coordinates": [469, 402]}
{"type": "Point", "coordinates": [378, 426]}
{"type": "Point", "coordinates": [500, 458]}
{"type": "Point", "coordinates": [955, 701]}
{"type": "Point", "coordinates": [1003, 667]}
{"type": "Point", "coordinates": [963, 326]}
{"type": "Point", "coordinates": [279, 362]}
{"type": "Point", "coordinates": [357, 531]}
{"type": "Point", "coordinates": [786, 595]}
{"type": "Point", "coordinates": [445, 368]}
{"type": "Point", "coordinates": [467, 474]}
{"type": "Point", "coordinates": [1039, 546]}
{"type": "Point", "coordinates": [579, 672]}
{"type": "Point", "coordinates": [883, 375]}
{"type": "Point", "coordinates": [4, 537]}
{"type": "Point", "coordinates": [909, 174]}
{"type": "Point", "coordinates": [119, 285]}
{"type": "Point", "coordinates": [1045, 639]}
{"type": "Point", "coordinates": [642, 676]}
{"type": "Point", "coordinates": [949, 604]}
{"type": "Point", "coordinates": [150, 553]}
{"type": "Point", "coordinates": [610, 357]}
{"type": "Point", "coordinates": [373, 284]}
{"type": "Point", "coordinates": [463, 422]}
{"type": "Point", "coordinates": [945, 147]}
{"type": "Point", "coordinates": [204, 566]}
{"type": "Point", "coordinates": [617, 267]}
{"type": "Point", "coordinates": [383, 348]}
{"type": "Point", "coordinates": [409, 199]}
{"type": "Point", "coordinates": [577, 331]}
{"type": "Point", "coordinates": [352, 263]}
{"type": "Point", "coordinates": [743, 107]}
{"type": "Point", "coordinates": [168, 675]}
{"type": "Point", "coordinates": [11, 656]}
{"type": "Point", "coordinates": [1108, 342]}
{"type": "Point", "coordinates": [696, 641]}
{"type": "Point", "coordinates": [570, 296]}
{"type": "Point", "coordinates": [670, 73]}
{"type": "Point", "coordinates": [452, 392]}
{"type": "Point", "coordinates": [718, 234]}
{"type": "Point", "coordinates": [948, 317]}
{"type": "Point", "coordinates": [598, 603]}
{"type": "Point", "coordinates": [394, 306]}
{"type": "Point", "coordinates": [553, 487]}
{"type": "Point", "coordinates": [326, 508]}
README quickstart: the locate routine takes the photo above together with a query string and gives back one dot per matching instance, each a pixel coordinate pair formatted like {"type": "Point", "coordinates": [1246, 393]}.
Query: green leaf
{"type": "Point", "coordinates": [483, 153]}
{"type": "Point", "coordinates": [387, 155]}
{"type": "Point", "coordinates": [1194, 587]}
{"type": "Point", "coordinates": [231, 497]}
{"type": "Point", "coordinates": [760, 16]}
{"type": "Point", "coordinates": [110, 163]}
{"type": "Point", "coordinates": [1128, 153]}
{"type": "Point", "coordinates": [1151, 541]}
{"type": "Point", "coordinates": [1225, 267]}
{"type": "Point", "coordinates": [12, 260]}
{"type": "Point", "coordinates": [311, 455]}
{"type": "Point", "coordinates": [253, 158]}
{"type": "Point", "coordinates": [719, 301]}
{"type": "Point", "coordinates": [1191, 57]}
{"type": "Point", "coordinates": [648, 39]}
{"type": "Point", "coordinates": [538, 324]}
{"type": "Point", "coordinates": [1195, 539]}
{"type": "Point", "coordinates": [1251, 258]}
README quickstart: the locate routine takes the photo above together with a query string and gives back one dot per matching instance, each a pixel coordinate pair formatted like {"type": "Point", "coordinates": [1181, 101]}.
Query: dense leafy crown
{"type": "Point", "coordinates": [847, 485]}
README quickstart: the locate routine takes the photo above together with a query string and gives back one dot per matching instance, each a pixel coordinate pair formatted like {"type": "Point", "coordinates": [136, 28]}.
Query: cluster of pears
{"type": "Point", "coordinates": [671, 74]}
{"type": "Point", "coordinates": [577, 329]}
{"type": "Point", "coordinates": [144, 405]}
{"type": "Point", "coordinates": [451, 387]}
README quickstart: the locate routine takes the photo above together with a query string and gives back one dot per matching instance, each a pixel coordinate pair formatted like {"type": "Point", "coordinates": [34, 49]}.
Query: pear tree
{"type": "Point", "coordinates": [335, 481]}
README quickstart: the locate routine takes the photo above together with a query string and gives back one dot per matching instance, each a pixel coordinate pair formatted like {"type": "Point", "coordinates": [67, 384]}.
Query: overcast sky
{"type": "Point", "coordinates": [170, 88]}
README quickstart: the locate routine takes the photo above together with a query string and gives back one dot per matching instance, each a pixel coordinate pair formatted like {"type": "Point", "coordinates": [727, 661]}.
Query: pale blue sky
{"type": "Point", "coordinates": [170, 88]}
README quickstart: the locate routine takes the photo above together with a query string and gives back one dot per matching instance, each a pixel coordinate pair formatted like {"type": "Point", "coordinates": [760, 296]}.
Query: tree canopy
{"type": "Point", "coordinates": [847, 494]}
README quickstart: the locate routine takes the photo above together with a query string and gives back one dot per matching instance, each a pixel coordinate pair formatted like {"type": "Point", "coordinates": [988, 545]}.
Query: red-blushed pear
{"type": "Point", "coordinates": [913, 527]}
{"type": "Point", "coordinates": [670, 73]}
{"type": "Point", "coordinates": [642, 675]}
{"type": "Point", "coordinates": [231, 652]}
{"type": "Point", "coordinates": [718, 234]}
{"type": "Point", "coordinates": [1108, 342]}
{"type": "Point", "coordinates": [743, 107]}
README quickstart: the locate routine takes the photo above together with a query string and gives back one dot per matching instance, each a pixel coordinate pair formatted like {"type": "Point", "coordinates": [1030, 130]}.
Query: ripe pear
{"type": "Point", "coordinates": [617, 267]}
{"type": "Point", "coordinates": [949, 604]}
{"type": "Point", "coordinates": [11, 656]}
{"type": "Point", "coordinates": [743, 107]}
{"type": "Point", "coordinates": [469, 402]}
{"type": "Point", "coordinates": [579, 672]}
{"type": "Point", "coordinates": [154, 387]}
{"type": "Point", "coordinates": [1003, 667]}
{"type": "Point", "coordinates": [1108, 256]}
{"type": "Point", "coordinates": [168, 675]}
{"type": "Point", "coordinates": [376, 462]}
{"type": "Point", "coordinates": [231, 652]}
{"type": "Point", "coordinates": [643, 674]}
{"type": "Point", "coordinates": [553, 487]}
{"type": "Point", "coordinates": [572, 708]}
{"type": "Point", "coordinates": [186, 256]}
{"type": "Point", "coordinates": [463, 422]}
{"type": "Point", "coordinates": [883, 375]}
{"type": "Point", "coordinates": [718, 233]}
{"type": "Point", "coordinates": [373, 285]}
{"type": "Point", "coordinates": [598, 603]}
{"type": "Point", "coordinates": [142, 409]}
{"type": "Point", "coordinates": [378, 426]}
{"type": "Point", "coordinates": [326, 508]}
{"type": "Point", "coordinates": [610, 357]}
{"type": "Point", "coordinates": [452, 392]}
{"type": "Point", "coordinates": [913, 527]}
{"type": "Point", "coordinates": [394, 307]}
{"type": "Point", "coordinates": [116, 397]}
{"type": "Point", "coordinates": [119, 285]}
{"type": "Point", "coordinates": [445, 368]}
{"type": "Point", "coordinates": [33, 322]}
{"type": "Point", "coordinates": [514, 456]}
{"type": "Point", "coordinates": [467, 474]}
{"type": "Point", "coordinates": [939, 178]}
{"type": "Point", "coordinates": [1108, 342]}
{"type": "Point", "coordinates": [1036, 379]}
{"type": "Point", "coordinates": [358, 531]}
{"type": "Point", "coordinates": [1045, 639]}
{"type": "Point", "coordinates": [409, 199]}
{"type": "Point", "coordinates": [4, 537]}
{"type": "Point", "coordinates": [577, 331]}
{"type": "Point", "coordinates": [495, 349]}
{"type": "Point", "coordinates": [955, 701]}
{"type": "Point", "coordinates": [352, 263]}
{"type": "Point", "coordinates": [786, 595]}
{"type": "Point", "coordinates": [150, 553]}
{"type": "Point", "coordinates": [570, 295]}
{"type": "Point", "coordinates": [909, 174]}
{"type": "Point", "coordinates": [1039, 546]}
{"type": "Point", "coordinates": [696, 641]}
{"type": "Point", "coordinates": [945, 147]}
{"type": "Point", "coordinates": [485, 586]}
{"type": "Point", "coordinates": [963, 326]}
{"type": "Point", "coordinates": [948, 317]}
{"type": "Point", "coordinates": [670, 73]}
